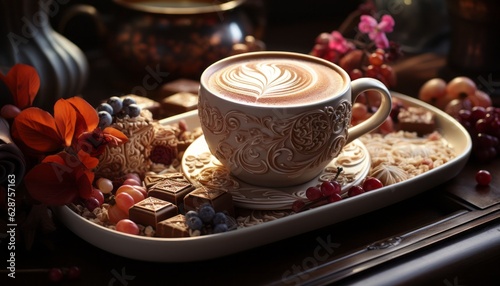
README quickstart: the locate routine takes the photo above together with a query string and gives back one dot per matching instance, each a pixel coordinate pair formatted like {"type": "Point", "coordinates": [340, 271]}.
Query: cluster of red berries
{"type": "Point", "coordinates": [58, 274]}
{"type": "Point", "coordinates": [331, 191]}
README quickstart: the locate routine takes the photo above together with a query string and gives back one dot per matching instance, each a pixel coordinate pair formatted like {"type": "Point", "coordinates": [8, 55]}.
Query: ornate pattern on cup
{"type": "Point", "coordinates": [284, 147]}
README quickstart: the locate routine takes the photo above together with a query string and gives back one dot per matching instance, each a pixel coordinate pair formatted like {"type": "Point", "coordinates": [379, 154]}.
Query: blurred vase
{"type": "Point", "coordinates": [26, 36]}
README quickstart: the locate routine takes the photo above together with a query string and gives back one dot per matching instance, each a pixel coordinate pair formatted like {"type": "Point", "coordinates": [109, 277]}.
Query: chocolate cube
{"type": "Point", "coordinates": [152, 210]}
{"type": "Point", "coordinates": [416, 119]}
{"type": "Point", "coordinates": [179, 103]}
{"type": "Point", "coordinates": [171, 189]}
{"type": "Point", "coordinates": [152, 179]}
{"type": "Point", "coordinates": [221, 201]}
{"type": "Point", "coordinates": [179, 85]}
{"type": "Point", "coordinates": [173, 227]}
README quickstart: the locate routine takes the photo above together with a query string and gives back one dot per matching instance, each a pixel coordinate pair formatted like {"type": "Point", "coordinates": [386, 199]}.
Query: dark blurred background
{"type": "Point", "coordinates": [290, 25]}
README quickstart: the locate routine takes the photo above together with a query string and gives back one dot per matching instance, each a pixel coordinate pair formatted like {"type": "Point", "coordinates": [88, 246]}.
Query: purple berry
{"type": "Point", "coordinates": [91, 203]}
{"type": "Point", "coordinates": [105, 107]}
{"type": "Point", "coordinates": [206, 213]}
{"type": "Point", "coordinates": [194, 223]}
{"type": "Point", "coordinates": [191, 214]}
{"type": "Point", "coordinates": [133, 110]}
{"type": "Point", "coordinates": [128, 101]}
{"type": "Point", "coordinates": [220, 228]}
{"type": "Point", "coordinates": [219, 218]}
{"type": "Point", "coordinates": [116, 103]}
{"type": "Point", "coordinates": [105, 119]}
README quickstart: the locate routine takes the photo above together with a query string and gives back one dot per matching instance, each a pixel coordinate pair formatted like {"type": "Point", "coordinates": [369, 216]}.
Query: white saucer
{"type": "Point", "coordinates": [200, 167]}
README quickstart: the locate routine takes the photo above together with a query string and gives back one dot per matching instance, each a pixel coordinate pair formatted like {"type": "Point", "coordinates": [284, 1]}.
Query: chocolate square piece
{"type": "Point", "coordinates": [179, 103]}
{"type": "Point", "coordinates": [152, 210]}
{"type": "Point", "coordinates": [416, 119]}
{"type": "Point", "coordinates": [152, 179]}
{"type": "Point", "coordinates": [179, 85]}
{"type": "Point", "coordinates": [171, 189]}
{"type": "Point", "coordinates": [220, 200]}
{"type": "Point", "coordinates": [173, 227]}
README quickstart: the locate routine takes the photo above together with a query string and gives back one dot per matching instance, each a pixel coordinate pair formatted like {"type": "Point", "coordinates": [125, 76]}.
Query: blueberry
{"type": "Point", "coordinates": [191, 214]}
{"type": "Point", "coordinates": [120, 114]}
{"type": "Point", "coordinates": [194, 223]}
{"type": "Point", "coordinates": [105, 119]}
{"type": "Point", "coordinates": [105, 107]}
{"type": "Point", "coordinates": [116, 103]}
{"type": "Point", "coordinates": [133, 110]}
{"type": "Point", "coordinates": [206, 213]}
{"type": "Point", "coordinates": [219, 218]}
{"type": "Point", "coordinates": [220, 228]}
{"type": "Point", "coordinates": [128, 101]}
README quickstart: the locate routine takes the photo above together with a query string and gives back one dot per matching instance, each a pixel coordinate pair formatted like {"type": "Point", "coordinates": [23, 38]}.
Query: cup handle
{"type": "Point", "coordinates": [359, 86]}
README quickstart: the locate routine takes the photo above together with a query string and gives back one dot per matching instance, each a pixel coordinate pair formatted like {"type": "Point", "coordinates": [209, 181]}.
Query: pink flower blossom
{"type": "Point", "coordinates": [339, 43]}
{"type": "Point", "coordinates": [376, 31]}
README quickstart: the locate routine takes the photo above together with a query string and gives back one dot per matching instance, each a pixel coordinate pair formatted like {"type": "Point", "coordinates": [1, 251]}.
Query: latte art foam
{"type": "Point", "coordinates": [276, 81]}
{"type": "Point", "coordinates": [266, 80]}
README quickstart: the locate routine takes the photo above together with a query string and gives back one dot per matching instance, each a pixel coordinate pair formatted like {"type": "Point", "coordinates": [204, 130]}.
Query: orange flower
{"type": "Point", "coordinates": [44, 133]}
{"type": "Point", "coordinates": [61, 178]}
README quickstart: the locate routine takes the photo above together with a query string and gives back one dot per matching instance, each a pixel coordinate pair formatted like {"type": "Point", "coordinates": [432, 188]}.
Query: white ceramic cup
{"type": "Point", "coordinates": [278, 119]}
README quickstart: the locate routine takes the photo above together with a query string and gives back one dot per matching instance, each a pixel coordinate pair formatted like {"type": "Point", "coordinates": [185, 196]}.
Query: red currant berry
{"type": "Point", "coordinates": [483, 178]}
{"type": "Point", "coordinates": [98, 194]}
{"type": "Point", "coordinates": [355, 74]}
{"type": "Point", "coordinates": [313, 193]}
{"type": "Point", "coordinates": [55, 274]}
{"type": "Point", "coordinates": [355, 190]}
{"type": "Point", "coordinates": [91, 203]}
{"type": "Point", "coordinates": [372, 184]}
{"type": "Point", "coordinates": [372, 71]}
{"type": "Point", "coordinates": [73, 273]}
{"type": "Point", "coordinates": [334, 198]}
{"type": "Point", "coordinates": [330, 187]}
{"type": "Point", "coordinates": [380, 52]}
{"type": "Point", "coordinates": [298, 205]}
{"type": "Point", "coordinates": [376, 59]}
{"type": "Point", "coordinates": [477, 112]}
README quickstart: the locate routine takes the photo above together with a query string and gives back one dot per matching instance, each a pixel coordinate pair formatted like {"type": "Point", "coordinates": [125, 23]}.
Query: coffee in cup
{"type": "Point", "coordinates": [275, 82]}
{"type": "Point", "coordinates": [278, 119]}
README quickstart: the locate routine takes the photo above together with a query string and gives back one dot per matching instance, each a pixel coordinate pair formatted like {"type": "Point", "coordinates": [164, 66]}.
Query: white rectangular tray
{"type": "Point", "coordinates": [217, 245]}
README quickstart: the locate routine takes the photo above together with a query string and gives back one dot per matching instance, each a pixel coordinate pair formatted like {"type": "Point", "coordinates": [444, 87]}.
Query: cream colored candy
{"type": "Point", "coordinates": [105, 185]}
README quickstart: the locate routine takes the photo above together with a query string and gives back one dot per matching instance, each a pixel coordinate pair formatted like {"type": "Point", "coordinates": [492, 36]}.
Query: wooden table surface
{"type": "Point", "coordinates": [435, 238]}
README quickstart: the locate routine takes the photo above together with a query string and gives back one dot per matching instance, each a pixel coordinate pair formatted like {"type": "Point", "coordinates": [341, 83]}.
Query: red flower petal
{"type": "Point", "coordinates": [87, 160]}
{"type": "Point", "coordinates": [58, 158]}
{"type": "Point", "coordinates": [65, 118]}
{"type": "Point", "coordinates": [37, 130]}
{"type": "Point", "coordinates": [87, 112]}
{"type": "Point", "coordinates": [114, 136]}
{"type": "Point", "coordinates": [84, 184]}
{"type": "Point", "coordinates": [91, 142]}
{"type": "Point", "coordinates": [52, 184]}
{"type": "Point", "coordinates": [23, 82]}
